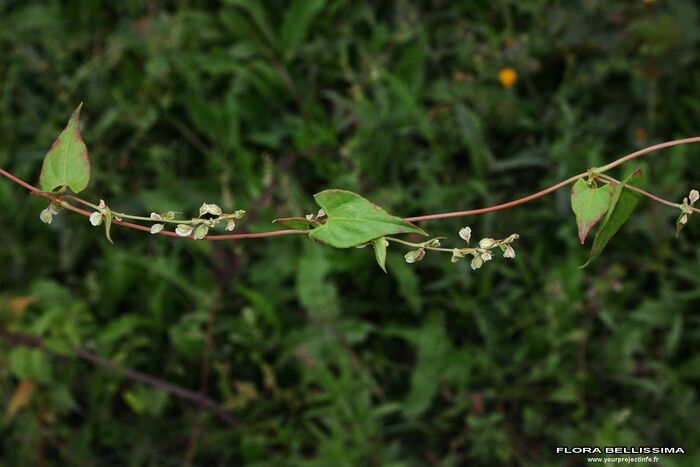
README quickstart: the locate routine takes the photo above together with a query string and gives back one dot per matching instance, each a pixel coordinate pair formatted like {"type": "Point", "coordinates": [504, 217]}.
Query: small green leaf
{"type": "Point", "coordinates": [108, 224]}
{"type": "Point", "coordinates": [353, 220]}
{"type": "Point", "coordinates": [589, 204]}
{"type": "Point", "coordinates": [380, 252]}
{"type": "Point", "coordinates": [67, 163]}
{"type": "Point", "coordinates": [623, 203]}
{"type": "Point", "coordinates": [296, 223]}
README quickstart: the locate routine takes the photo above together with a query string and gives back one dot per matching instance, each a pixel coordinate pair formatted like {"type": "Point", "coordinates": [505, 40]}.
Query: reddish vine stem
{"type": "Point", "coordinates": [444, 215]}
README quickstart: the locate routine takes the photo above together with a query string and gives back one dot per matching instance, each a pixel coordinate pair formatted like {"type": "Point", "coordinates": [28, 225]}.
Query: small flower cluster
{"type": "Point", "coordinates": [199, 227]}
{"type": "Point", "coordinates": [97, 216]}
{"type": "Point", "coordinates": [310, 217]}
{"type": "Point", "coordinates": [686, 210]}
{"type": "Point", "coordinates": [482, 253]}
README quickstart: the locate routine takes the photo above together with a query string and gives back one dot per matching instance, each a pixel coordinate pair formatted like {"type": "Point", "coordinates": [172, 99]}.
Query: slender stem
{"type": "Point", "coordinates": [421, 245]}
{"type": "Point", "coordinates": [275, 233]}
{"type": "Point", "coordinates": [609, 179]}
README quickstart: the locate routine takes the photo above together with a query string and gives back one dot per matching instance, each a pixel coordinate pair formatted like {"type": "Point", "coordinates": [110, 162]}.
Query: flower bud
{"type": "Point", "coordinates": [230, 225]}
{"type": "Point", "coordinates": [509, 252]}
{"type": "Point", "coordinates": [477, 262]}
{"type": "Point", "coordinates": [155, 216]}
{"type": "Point", "coordinates": [212, 209]}
{"type": "Point", "coordinates": [155, 228]}
{"type": "Point", "coordinates": [415, 255]}
{"type": "Point", "coordinates": [486, 243]}
{"type": "Point", "coordinates": [457, 255]}
{"type": "Point", "coordinates": [466, 234]}
{"type": "Point", "coordinates": [96, 218]}
{"type": "Point", "coordinates": [183, 230]}
{"type": "Point", "coordinates": [46, 216]}
{"type": "Point", "coordinates": [201, 232]}
{"type": "Point", "coordinates": [694, 195]}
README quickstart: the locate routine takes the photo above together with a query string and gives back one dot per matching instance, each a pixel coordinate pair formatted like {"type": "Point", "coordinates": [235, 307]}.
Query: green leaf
{"type": "Point", "coordinates": [353, 220]}
{"type": "Point", "coordinates": [67, 163]}
{"type": "Point", "coordinates": [297, 223]}
{"type": "Point", "coordinates": [380, 252]}
{"type": "Point", "coordinates": [623, 203]}
{"type": "Point", "coordinates": [589, 204]}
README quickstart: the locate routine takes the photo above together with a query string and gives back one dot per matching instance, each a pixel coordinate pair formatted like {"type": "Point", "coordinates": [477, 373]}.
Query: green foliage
{"type": "Point", "coordinates": [67, 163]}
{"type": "Point", "coordinates": [353, 220]}
{"type": "Point", "coordinates": [621, 206]}
{"type": "Point", "coordinates": [589, 204]}
{"type": "Point", "coordinates": [430, 364]}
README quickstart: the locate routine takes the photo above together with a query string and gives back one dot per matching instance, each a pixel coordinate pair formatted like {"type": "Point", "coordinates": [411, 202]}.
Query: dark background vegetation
{"type": "Point", "coordinates": [324, 359]}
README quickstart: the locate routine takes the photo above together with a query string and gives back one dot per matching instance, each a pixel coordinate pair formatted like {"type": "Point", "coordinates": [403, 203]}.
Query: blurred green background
{"type": "Point", "coordinates": [323, 358]}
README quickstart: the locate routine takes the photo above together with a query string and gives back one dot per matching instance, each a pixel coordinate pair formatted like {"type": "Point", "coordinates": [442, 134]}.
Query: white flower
{"type": "Point", "coordinates": [509, 252]}
{"type": "Point", "coordinates": [46, 216]}
{"type": "Point", "coordinates": [466, 234]}
{"type": "Point", "coordinates": [486, 256]}
{"type": "Point", "coordinates": [96, 218]}
{"type": "Point", "coordinates": [511, 238]}
{"type": "Point", "coordinates": [320, 213]}
{"type": "Point", "coordinates": [694, 196]}
{"type": "Point", "coordinates": [415, 255]}
{"type": "Point", "coordinates": [102, 204]}
{"type": "Point", "coordinates": [457, 254]}
{"type": "Point", "coordinates": [683, 219]}
{"type": "Point", "coordinates": [212, 209]}
{"type": "Point", "coordinates": [486, 243]}
{"type": "Point", "coordinates": [155, 228]}
{"type": "Point", "coordinates": [477, 262]}
{"type": "Point", "coordinates": [201, 232]}
{"type": "Point", "coordinates": [183, 230]}
{"type": "Point", "coordinates": [155, 216]}
{"type": "Point", "coordinates": [230, 225]}
{"type": "Point", "coordinates": [309, 217]}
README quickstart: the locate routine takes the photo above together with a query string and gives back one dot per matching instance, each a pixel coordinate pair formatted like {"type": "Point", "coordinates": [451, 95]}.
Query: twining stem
{"type": "Point", "coordinates": [472, 212]}
{"type": "Point", "coordinates": [609, 179]}
{"type": "Point", "coordinates": [419, 245]}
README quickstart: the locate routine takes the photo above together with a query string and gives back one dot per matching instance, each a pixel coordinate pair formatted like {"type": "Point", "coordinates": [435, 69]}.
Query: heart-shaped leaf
{"type": "Point", "coordinates": [353, 220]}
{"type": "Point", "coordinates": [67, 163]}
{"type": "Point", "coordinates": [589, 204]}
{"type": "Point", "coordinates": [380, 252]}
{"type": "Point", "coordinates": [623, 203]}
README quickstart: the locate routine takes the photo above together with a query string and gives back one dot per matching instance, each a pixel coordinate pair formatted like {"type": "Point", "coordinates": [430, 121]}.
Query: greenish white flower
{"type": "Point", "coordinates": [477, 262]}
{"type": "Point", "coordinates": [466, 234]}
{"type": "Point", "coordinates": [201, 232]}
{"type": "Point", "coordinates": [694, 196]}
{"type": "Point", "coordinates": [486, 243]}
{"type": "Point", "coordinates": [486, 256]}
{"type": "Point", "coordinates": [414, 256]}
{"type": "Point", "coordinates": [155, 216]}
{"type": "Point", "coordinates": [46, 215]}
{"type": "Point", "coordinates": [230, 225]}
{"type": "Point", "coordinates": [239, 214]}
{"type": "Point", "coordinates": [683, 219]}
{"type": "Point", "coordinates": [183, 230]}
{"type": "Point", "coordinates": [155, 228]}
{"type": "Point", "coordinates": [169, 215]}
{"type": "Point", "coordinates": [457, 254]}
{"type": "Point", "coordinates": [96, 218]}
{"type": "Point", "coordinates": [509, 252]}
{"type": "Point", "coordinates": [212, 209]}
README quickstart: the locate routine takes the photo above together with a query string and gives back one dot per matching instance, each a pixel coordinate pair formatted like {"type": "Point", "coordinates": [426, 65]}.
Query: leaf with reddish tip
{"type": "Point", "coordinates": [353, 220]}
{"type": "Point", "coordinates": [589, 204]}
{"type": "Point", "coordinates": [67, 163]}
{"type": "Point", "coordinates": [623, 203]}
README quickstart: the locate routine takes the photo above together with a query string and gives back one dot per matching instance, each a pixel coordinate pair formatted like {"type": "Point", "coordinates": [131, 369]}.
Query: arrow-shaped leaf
{"type": "Point", "coordinates": [353, 220]}
{"type": "Point", "coordinates": [67, 163]}
{"type": "Point", "coordinates": [623, 203]}
{"type": "Point", "coordinates": [589, 204]}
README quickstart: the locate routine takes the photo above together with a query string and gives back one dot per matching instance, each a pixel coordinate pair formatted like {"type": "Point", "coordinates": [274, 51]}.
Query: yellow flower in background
{"type": "Point", "coordinates": [507, 76]}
